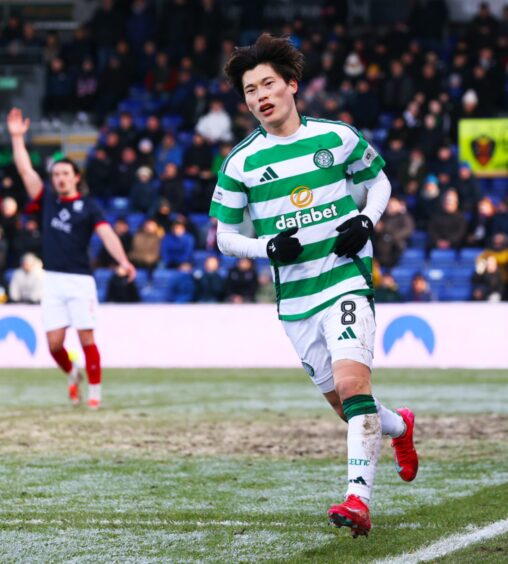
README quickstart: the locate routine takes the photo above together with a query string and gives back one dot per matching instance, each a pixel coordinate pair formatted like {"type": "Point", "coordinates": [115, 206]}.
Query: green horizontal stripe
{"type": "Point", "coordinates": [371, 172]}
{"type": "Point", "coordinates": [355, 411]}
{"type": "Point", "coordinates": [324, 305]}
{"type": "Point", "coordinates": [284, 186]}
{"type": "Point", "coordinates": [228, 183]}
{"type": "Point", "coordinates": [225, 214]}
{"type": "Point", "coordinates": [357, 152]}
{"type": "Point", "coordinates": [313, 251]}
{"type": "Point", "coordinates": [268, 226]}
{"type": "Point", "coordinates": [357, 398]}
{"type": "Point", "coordinates": [319, 283]}
{"type": "Point", "coordinates": [280, 153]}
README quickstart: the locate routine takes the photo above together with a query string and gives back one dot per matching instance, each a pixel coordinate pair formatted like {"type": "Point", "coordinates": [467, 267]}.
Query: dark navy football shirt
{"type": "Point", "coordinates": [67, 227]}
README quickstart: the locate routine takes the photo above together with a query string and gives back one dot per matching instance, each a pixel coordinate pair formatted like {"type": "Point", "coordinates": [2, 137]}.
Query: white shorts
{"type": "Point", "coordinates": [68, 300]}
{"type": "Point", "coordinates": [343, 331]}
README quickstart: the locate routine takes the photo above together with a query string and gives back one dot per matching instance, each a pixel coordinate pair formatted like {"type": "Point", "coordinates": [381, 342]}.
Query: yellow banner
{"type": "Point", "coordinates": [483, 143]}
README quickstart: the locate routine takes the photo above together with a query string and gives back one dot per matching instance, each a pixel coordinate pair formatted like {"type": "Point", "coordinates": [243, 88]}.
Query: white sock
{"type": "Point", "coordinates": [391, 422]}
{"type": "Point", "coordinates": [94, 392]}
{"type": "Point", "coordinates": [363, 448]}
{"type": "Point", "coordinates": [73, 375]}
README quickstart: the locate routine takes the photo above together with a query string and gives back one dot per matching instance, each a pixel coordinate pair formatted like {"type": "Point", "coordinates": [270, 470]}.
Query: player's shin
{"type": "Point", "coordinates": [61, 357]}
{"type": "Point", "coordinates": [93, 370]}
{"type": "Point", "coordinates": [363, 444]}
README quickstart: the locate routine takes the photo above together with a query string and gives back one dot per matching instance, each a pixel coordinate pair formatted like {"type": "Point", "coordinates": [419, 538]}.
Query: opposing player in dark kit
{"type": "Point", "coordinates": [69, 220]}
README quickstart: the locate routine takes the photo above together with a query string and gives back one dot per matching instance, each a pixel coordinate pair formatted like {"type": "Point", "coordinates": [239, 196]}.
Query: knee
{"type": "Point", "coordinates": [55, 346]}
{"type": "Point", "coordinates": [86, 338]}
{"type": "Point", "coordinates": [351, 379]}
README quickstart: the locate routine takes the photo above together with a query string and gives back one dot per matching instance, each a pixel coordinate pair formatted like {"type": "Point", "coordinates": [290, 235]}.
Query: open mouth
{"type": "Point", "coordinates": [265, 108]}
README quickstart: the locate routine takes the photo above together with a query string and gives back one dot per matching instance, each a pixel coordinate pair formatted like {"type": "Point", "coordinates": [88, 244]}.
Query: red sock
{"type": "Point", "coordinates": [93, 363]}
{"type": "Point", "coordinates": [61, 357]}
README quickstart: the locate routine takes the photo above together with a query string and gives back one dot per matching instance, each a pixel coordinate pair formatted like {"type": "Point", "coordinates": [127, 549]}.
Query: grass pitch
{"type": "Point", "coordinates": [240, 466]}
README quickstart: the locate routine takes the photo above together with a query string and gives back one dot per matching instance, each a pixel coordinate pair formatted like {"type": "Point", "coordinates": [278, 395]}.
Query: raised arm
{"type": "Point", "coordinates": [17, 127]}
{"type": "Point", "coordinates": [114, 247]}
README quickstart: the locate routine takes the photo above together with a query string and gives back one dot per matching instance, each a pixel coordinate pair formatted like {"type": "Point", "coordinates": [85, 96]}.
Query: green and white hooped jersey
{"type": "Point", "coordinates": [303, 181]}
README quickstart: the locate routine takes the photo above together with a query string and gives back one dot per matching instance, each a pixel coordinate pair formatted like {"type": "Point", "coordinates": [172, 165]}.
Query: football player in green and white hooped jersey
{"type": "Point", "coordinates": [297, 177]}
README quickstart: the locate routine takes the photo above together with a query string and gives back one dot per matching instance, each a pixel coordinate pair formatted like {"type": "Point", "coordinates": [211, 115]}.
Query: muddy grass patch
{"type": "Point", "coordinates": [146, 436]}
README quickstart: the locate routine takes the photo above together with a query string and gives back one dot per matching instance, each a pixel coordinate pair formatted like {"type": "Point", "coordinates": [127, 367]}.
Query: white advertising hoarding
{"type": "Point", "coordinates": [461, 335]}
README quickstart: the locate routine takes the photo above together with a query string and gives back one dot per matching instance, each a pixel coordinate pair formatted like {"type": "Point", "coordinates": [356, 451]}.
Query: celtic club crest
{"type": "Point", "coordinates": [323, 158]}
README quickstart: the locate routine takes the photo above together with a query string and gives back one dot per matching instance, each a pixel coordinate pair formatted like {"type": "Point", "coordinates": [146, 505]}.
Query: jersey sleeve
{"type": "Point", "coordinates": [96, 214]}
{"type": "Point", "coordinates": [363, 162]}
{"type": "Point", "coordinates": [229, 197]}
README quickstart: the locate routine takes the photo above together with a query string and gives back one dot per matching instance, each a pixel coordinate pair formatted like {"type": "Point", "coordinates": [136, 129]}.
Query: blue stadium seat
{"type": "Point", "coordinates": [457, 293]}
{"type": "Point", "coordinates": [171, 123]}
{"type": "Point", "coordinates": [442, 258]}
{"type": "Point", "coordinates": [111, 217]}
{"type": "Point", "coordinates": [200, 219]}
{"type": "Point", "coordinates": [151, 295]}
{"type": "Point", "coordinates": [138, 92]}
{"type": "Point", "coordinates": [385, 120]}
{"type": "Point", "coordinates": [227, 262]}
{"type": "Point", "coordinates": [119, 205]}
{"type": "Point", "coordinates": [199, 258]}
{"type": "Point", "coordinates": [8, 275]}
{"type": "Point", "coordinates": [379, 136]}
{"type": "Point", "coordinates": [113, 122]}
{"type": "Point", "coordinates": [413, 258]}
{"type": "Point", "coordinates": [485, 185]}
{"type": "Point", "coordinates": [153, 106]}
{"type": "Point", "coordinates": [185, 138]}
{"type": "Point", "coordinates": [142, 278]}
{"type": "Point", "coordinates": [189, 186]}
{"type": "Point", "coordinates": [443, 255]}
{"type": "Point", "coordinates": [133, 106]}
{"type": "Point", "coordinates": [139, 122]}
{"type": "Point", "coordinates": [400, 272]}
{"type": "Point", "coordinates": [95, 245]}
{"type": "Point", "coordinates": [102, 276]}
{"type": "Point", "coordinates": [135, 221]}
{"type": "Point", "coordinates": [262, 263]}
{"type": "Point", "coordinates": [162, 277]}
{"type": "Point", "coordinates": [461, 274]}
{"type": "Point", "coordinates": [468, 255]}
{"type": "Point", "coordinates": [418, 240]}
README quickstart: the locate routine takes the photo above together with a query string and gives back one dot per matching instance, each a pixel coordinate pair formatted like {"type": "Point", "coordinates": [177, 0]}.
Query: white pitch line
{"type": "Point", "coordinates": [449, 544]}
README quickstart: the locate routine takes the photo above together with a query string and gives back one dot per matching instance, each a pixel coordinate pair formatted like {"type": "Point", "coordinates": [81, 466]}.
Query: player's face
{"type": "Point", "coordinates": [65, 180]}
{"type": "Point", "coordinates": [271, 99]}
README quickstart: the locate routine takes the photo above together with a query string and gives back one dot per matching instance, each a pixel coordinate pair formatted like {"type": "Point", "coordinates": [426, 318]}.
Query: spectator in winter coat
{"type": "Point", "coordinates": [26, 282]}
{"type": "Point", "coordinates": [177, 246]}
{"type": "Point", "coordinates": [120, 290]}
{"type": "Point", "coordinates": [242, 282]}
{"type": "Point", "coordinates": [144, 191]}
{"type": "Point", "coordinates": [146, 245]}
{"type": "Point", "coordinates": [392, 233]}
{"type": "Point", "coordinates": [215, 126]}
{"type": "Point", "coordinates": [447, 228]}
{"type": "Point", "coordinates": [210, 285]}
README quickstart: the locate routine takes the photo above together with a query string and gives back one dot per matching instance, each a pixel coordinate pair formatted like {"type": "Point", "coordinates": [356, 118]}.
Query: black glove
{"type": "Point", "coordinates": [284, 247]}
{"type": "Point", "coordinates": [353, 234]}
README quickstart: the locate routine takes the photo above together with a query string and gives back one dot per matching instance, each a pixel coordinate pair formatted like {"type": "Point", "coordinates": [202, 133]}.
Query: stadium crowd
{"type": "Point", "coordinates": [168, 118]}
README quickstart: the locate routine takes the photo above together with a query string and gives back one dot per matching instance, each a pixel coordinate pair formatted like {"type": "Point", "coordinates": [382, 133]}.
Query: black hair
{"type": "Point", "coordinates": [278, 52]}
{"type": "Point", "coordinates": [66, 160]}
